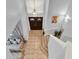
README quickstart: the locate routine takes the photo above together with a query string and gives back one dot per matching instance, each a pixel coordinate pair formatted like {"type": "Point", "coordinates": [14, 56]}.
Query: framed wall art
{"type": "Point", "coordinates": [55, 19]}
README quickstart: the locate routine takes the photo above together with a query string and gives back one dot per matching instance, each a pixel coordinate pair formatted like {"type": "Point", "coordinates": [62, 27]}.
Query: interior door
{"type": "Point", "coordinates": [35, 23]}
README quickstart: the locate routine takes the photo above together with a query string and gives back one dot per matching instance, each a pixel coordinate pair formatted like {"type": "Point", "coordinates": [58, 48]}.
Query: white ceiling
{"type": "Point", "coordinates": [39, 6]}
{"type": "Point", "coordinates": [55, 7]}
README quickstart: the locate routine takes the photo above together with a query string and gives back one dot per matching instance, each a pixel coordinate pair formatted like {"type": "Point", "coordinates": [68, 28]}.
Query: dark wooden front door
{"type": "Point", "coordinates": [35, 23]}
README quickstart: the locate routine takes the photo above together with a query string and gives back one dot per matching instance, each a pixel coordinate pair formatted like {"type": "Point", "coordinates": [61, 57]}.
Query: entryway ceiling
{"type": "Point", "coordinates": [38, 5]}
{"type": "Point", "coordinates": [56, 7]}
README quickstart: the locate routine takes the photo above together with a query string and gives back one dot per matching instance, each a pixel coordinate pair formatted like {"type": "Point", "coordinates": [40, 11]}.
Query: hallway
{"type": "Point", "coordinates": [33, 45]}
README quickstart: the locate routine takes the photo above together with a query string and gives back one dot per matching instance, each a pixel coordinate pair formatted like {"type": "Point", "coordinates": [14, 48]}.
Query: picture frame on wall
{"type": "Point", "coordinates": [55, 19]}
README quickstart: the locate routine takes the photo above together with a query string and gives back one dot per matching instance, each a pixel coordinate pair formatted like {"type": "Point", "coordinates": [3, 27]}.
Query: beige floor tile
{"type": "Point", "coordinates": [32, 47]}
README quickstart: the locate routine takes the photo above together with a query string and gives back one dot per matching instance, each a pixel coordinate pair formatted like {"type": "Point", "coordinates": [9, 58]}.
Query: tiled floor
{"type": "Point", "coordinates": [32, 47]}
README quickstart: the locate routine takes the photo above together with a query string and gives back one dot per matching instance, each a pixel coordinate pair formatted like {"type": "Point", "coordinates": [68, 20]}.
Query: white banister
{"type": "Point", "coordinates": [58, 49]}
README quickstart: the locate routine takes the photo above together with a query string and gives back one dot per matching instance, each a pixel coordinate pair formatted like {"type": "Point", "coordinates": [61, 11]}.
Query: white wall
{"type": "Point", "coordinates": [68, 29]}
{"type": "Point", "coordinates": [15, 12]}
{"type": "Point", "coordinates": [19, 25]}
{"type": "Point", "coordinates": [12, 15]}
{"type": "Point", "coordinates": [46, 5]}
{"type": "Point", "coordinates": [58, 8]}
{"type": "Point", "coordinates": [8, 55]}
{"type": "Point", "coordinates": [55, 8]}
{"type": "Point", "coordinates": [25, 26]}
{"type": "Point", "coordinates": [24, 20]}
{"type": "Point", "coordinates": [67, 34]}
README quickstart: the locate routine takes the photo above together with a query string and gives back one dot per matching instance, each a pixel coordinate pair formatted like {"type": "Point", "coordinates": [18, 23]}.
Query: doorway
{"type": "Point", "coordinates": [36, 23]}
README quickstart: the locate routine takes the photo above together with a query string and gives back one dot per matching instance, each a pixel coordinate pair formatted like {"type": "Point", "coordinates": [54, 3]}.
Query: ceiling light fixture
{"type": "Point", "coordinates": [34, 10]}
